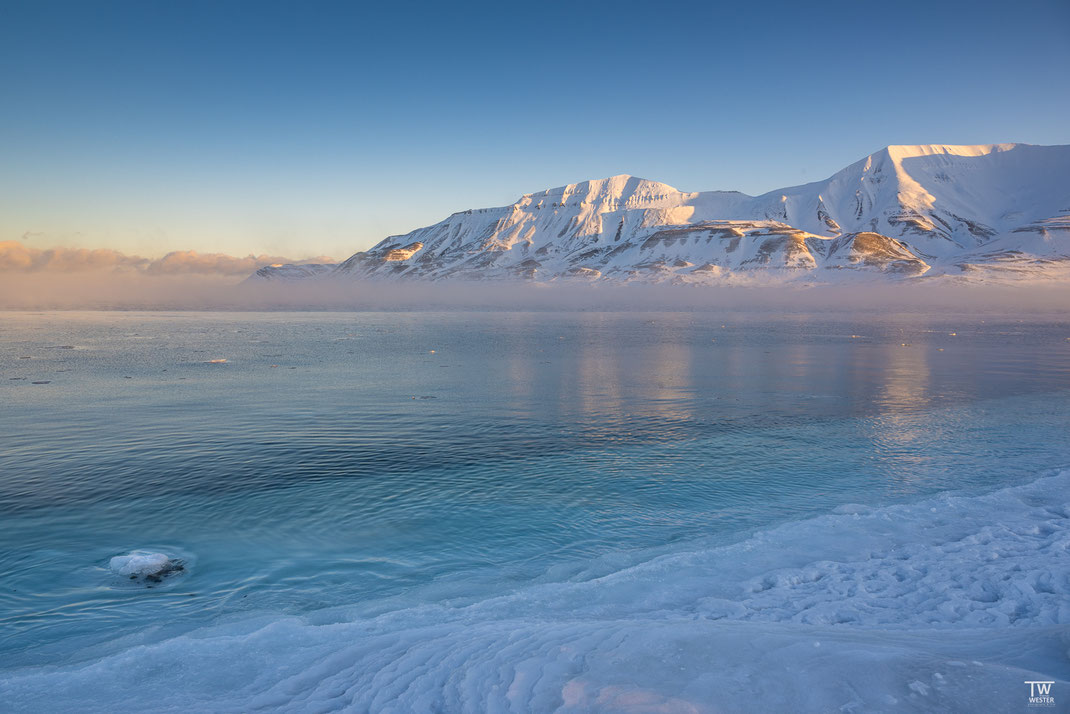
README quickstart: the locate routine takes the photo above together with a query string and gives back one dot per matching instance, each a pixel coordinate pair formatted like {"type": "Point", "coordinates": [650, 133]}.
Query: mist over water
{"type": "Point", "coordinates": [763, 292]}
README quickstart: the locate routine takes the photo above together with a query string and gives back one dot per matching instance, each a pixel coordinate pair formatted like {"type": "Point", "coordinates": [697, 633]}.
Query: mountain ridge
{"type": "Point", "coordinates": [903, 211]}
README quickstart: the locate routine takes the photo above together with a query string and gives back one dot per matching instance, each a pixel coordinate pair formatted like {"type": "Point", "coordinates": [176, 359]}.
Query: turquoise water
{"type": "Point", "coordinates": [356, 469]}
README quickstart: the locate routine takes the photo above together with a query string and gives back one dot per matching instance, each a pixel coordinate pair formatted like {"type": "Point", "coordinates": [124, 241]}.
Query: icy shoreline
{"type": "Point", "coordinates": [948, 604]}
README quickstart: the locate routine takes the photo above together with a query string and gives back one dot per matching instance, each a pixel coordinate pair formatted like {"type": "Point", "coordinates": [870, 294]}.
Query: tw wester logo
{"type": "Point", "coordinates": [1040, 694]}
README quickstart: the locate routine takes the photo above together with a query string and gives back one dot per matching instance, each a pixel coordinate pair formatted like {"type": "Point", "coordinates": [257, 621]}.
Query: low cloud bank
{"type": "Point", "coordinates": [15, 257]}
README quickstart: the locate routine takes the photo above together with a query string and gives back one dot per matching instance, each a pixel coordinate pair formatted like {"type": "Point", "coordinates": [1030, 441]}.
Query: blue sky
{"type": "Point", "coordinates": [319, 128]}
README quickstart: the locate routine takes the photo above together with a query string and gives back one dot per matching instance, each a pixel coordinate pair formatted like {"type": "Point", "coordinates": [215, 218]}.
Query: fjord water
{"type": "Point", "coordinates": [485, 511]}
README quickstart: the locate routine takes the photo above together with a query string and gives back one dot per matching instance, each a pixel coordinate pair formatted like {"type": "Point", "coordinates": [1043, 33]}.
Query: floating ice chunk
{"type": "Point", "coordinates": [143, 564]}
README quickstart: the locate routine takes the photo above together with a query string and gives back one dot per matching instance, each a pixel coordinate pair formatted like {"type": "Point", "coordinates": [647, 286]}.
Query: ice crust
{"type": "Point", "coordinates": [948, 604]}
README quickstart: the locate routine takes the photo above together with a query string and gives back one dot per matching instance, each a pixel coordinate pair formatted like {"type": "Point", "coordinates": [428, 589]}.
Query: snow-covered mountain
{"type": "Point", "coordinates": [903, 211]}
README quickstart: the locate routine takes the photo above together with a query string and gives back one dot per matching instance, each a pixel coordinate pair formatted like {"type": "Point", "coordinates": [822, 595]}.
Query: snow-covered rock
{"type": "Point", "coordinates": [145, 565]}
{"type": "Point", "coordinates": [903, 211]}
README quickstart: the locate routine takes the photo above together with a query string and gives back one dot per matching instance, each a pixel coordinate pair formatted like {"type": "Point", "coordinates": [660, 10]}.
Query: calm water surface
{"type": "Point", "coordinates": [378, 461]}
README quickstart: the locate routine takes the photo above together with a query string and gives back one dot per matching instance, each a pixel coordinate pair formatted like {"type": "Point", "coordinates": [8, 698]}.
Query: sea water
{"type": "Point", "coordinates": [533, 512]}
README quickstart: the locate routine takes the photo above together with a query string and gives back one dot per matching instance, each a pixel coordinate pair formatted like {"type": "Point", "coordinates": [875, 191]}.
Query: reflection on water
{"type": "Point", "coordinates": [906, 382]}
{"type": "Point", "coordinates": [349, 458]}
{"type": "Point", "coordinates": [899, 437]}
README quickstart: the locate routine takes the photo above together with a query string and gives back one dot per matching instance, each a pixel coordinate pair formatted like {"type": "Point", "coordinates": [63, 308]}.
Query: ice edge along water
{"type": "Point", "coordinates": [951, 603]}
{"type": "Point", "coordinates": [984, 212]}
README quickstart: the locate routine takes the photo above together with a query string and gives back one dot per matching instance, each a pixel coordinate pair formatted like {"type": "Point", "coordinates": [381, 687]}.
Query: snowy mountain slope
{"type": "Point", "coordinates": [292, 271]}
{"type": "Point", "coordinates": [941, 199]}
{"type": "Point", "coordinates": [903, 211]}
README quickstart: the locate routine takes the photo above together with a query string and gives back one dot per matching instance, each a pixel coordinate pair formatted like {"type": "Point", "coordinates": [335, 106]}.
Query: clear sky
{"type": "Point", "coordinates": [305, 128]}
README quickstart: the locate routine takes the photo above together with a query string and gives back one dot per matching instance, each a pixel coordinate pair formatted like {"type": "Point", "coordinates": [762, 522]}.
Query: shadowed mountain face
{"type": "Point", "coordinates": [904, 211]}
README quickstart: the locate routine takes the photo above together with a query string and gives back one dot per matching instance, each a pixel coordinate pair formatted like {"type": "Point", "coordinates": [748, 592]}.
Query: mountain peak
{"type": "Point", "coordinates": [906, 151]}
{"type": "Point", "coordinates": [621, 188]}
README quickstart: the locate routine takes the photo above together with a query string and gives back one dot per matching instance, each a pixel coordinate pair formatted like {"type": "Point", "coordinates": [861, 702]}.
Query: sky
{"type": "Point", "coordinates": [319, 128]}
